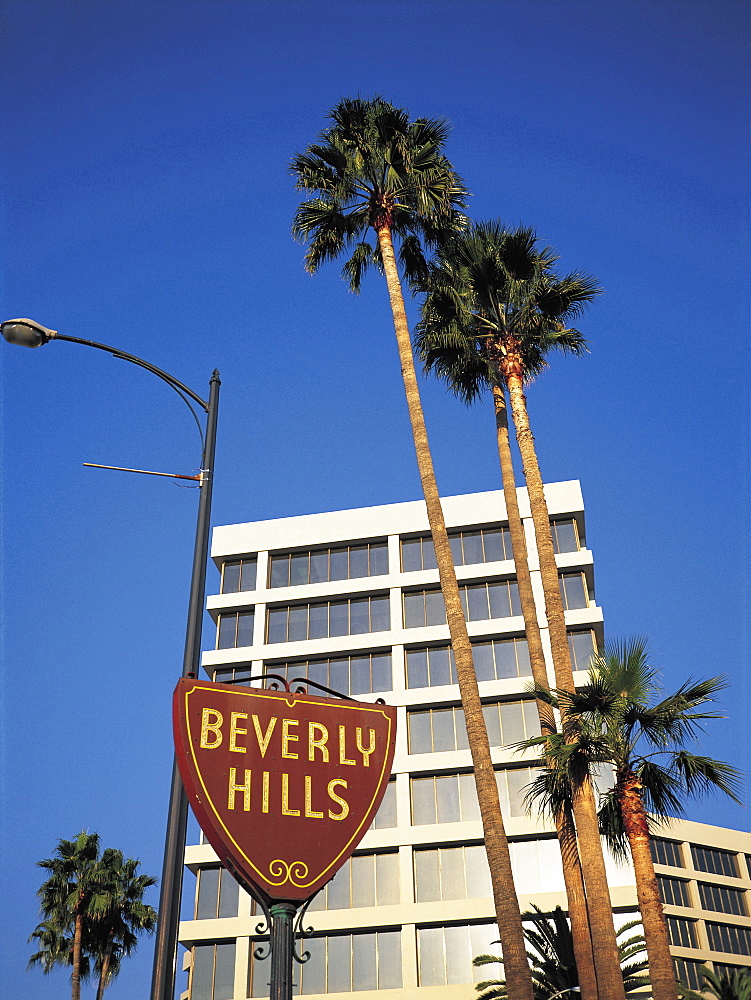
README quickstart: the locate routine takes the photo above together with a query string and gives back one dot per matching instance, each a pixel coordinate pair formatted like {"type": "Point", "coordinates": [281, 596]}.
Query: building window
{"type": "Point", "coordinates": [682, 932]}
{"type": "Point", "coordinates": [344, 562]}
{"type": "Point", "coordinates": [234, 629]}
{"type": "Point", "coordinates": [666, 852]}
{"type": "Point", "coordinates": [341, 963]}
{"type": "Point", "coordinates": [729, 938]}
{"type": "Point", "coordinates": [360, 673]}
{"type": "Point", "coordinates": [722, 899]}
{"type": "Point", "coordinates": [233, 675]}
{"type": "Point", "coordinates": [451, 798]}
{"type": "Point", "coordinates": [498, 659]}
{"type": "Point", "coordinates": [451, 873]}
{"type": "Point", "coordinates": [574, 591]}
{"type": "Point", "coordinates": [444, 954]}
{"type": "Point", "coordinates": [440, 729]}
{"type": "Point", "coordinates": [707, 859]}
{"type": "Point", "coordinates": [468, 548]}
{"type": "Point", "coordinates": [723, 969]}
{"type": "Point", "coordinates": [385, 818]}
{"type": "Point", "coordinates": [365, 880]}
{"type": "Point", "coordinates": [213, 972]}
{"type": "Point", "coordinates": [565, 534]}
{"type": "Point", "coordinates": [354, 616]}
{"type": "Point", "coordinates": [689, 973]}
{"type": "Point", "coordinates": [673, 891]}
{"type": "Point", "coordinates": [582, 646]}
{"type": "Point", "coordinates": [238, 575]}
{"type": "Point", "coordinates": [480, 601]}
{"type": "Point", "coordinates": [217, 894]}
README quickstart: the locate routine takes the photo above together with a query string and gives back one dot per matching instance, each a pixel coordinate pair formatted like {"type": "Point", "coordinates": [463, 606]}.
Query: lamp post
{"type": "Point", "coordinates": [28, 333]}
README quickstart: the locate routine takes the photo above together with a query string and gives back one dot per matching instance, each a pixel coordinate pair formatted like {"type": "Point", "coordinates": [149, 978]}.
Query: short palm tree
{"type": "Point", "coordinates": [624, 724]}
{"type": "Point", "coordinates": [376, 170]}
{"type": "Point", "coordinates": [124, 917]}
{"type": "Point", "coordinates": [493, 309]}
{"type": "Point", "coordinates": [735, 986]}
{"type": "Point", "coordinates": [93, 909]}
{"type": "Point", "coordinates": [553, 962]}
{"type": "Point", "coordinates": [69, 899]}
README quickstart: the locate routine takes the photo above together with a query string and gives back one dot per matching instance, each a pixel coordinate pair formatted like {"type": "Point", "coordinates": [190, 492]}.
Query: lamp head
{"type": "Point", "coordinates": [26, 332]}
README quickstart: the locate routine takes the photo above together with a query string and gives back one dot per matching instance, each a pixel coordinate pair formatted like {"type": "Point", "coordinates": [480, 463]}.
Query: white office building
{"type": "Point", "coordinates": [351, 599]}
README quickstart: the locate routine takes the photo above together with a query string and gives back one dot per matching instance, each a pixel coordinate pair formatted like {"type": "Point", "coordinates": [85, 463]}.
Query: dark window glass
{"type": "Point", "coordinates": [213, 973]}
{"type": "Point", "coordinates": [297, 622]}
{"type": "Point", "coordinates": [339, 565]}
{"type": "Point", "coordinates": [330, 618]}
{"type": "Point", "coordinates": [682, 932]}
{"type": "Point", "coordinates": [299, 568]}
{"type": "Point", "coordinates": [688, 973]}
{"type": "Point", "coordinates": [716, 862]}
{"type": "Point", "coordinates": [722, 899]}
{"type": "Point", "coordinates": [666, 852]}
{"type": "Point", "coordinates": [673, 891]}
{"type": "Point", "coordinates": [239, 575]}
{"type": "Point", "coordinates": [729, 938]}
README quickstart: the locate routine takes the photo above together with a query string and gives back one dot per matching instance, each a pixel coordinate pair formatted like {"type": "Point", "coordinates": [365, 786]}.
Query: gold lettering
{"type": "Point", "coordinates": [263, 738]}
{"type": "Point", "coordinates": [309, 811]}
{"type": "Point", "coordinates": [288, 737]}
{"type": "Point", "coordinates": [214, 727]}
{"type": "Point", "coordinates": [234, 787]}
{"type": "Point", "coordinates": [337, 798]}
{"type": "Point", "coordinates": [343, 748]}
{"type": "Point", "coordinates": [235, 731]}
{"type": "Point", "coordinates": [265, 793]}
{"type": "Point", "coordinates": [286, 811]}
{"type": "Point", "coordinates": [371, 745]}
{"type": "Point", "coordinates": [319, 744]}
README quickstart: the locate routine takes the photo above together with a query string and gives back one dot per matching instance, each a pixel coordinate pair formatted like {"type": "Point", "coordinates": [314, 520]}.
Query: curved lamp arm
{"type": "Point", "coordinates": [28, 333]}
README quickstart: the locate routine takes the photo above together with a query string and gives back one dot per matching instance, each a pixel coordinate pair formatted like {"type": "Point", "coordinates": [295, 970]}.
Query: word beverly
{"type": "Point", "coordinates": [288, 744]}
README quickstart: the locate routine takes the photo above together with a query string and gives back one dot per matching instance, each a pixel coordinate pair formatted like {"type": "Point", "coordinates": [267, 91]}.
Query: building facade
{"type": "Point", "coordinates": [351, 599]}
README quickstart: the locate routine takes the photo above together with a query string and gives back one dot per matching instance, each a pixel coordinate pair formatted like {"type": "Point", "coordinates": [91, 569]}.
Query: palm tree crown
{"type": "Point", "coordinates": [492, 299]}
{"type": "Point", "coordinates": [375, 167]}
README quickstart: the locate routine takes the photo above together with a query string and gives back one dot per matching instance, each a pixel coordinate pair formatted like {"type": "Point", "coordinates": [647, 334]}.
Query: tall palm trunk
{"type": "Point", "coordinates": [661, 968]}
{"type": "Point", "coordinates": [605, 948]}
{"type": "Point", "coordinates": [75, 977]}
{"type": "Point", "coordinates": [564, 823]}
{"type": "Point", "coordinates": [507, 909]}
{"type": "Point", "coordinates": [105, 970]}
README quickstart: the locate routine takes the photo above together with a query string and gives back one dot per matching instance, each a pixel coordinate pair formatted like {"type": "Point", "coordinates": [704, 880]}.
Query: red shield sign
{"type": "Point", "coordinates": [284, 785]}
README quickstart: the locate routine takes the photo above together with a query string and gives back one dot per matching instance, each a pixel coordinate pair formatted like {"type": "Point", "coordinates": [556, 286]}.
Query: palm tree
{"type": "Point", "coordinates": [374, 168]}
{"type": "Point", "coordinates": [68, 899]}
{"type": "Point", "coordinates": [55, 947]}
{"type": "Point", "coordinates": [124, 917]}
{"type": "Point", "coordinates": [493, 309]}
{"type": "Point", "coordinates": [722, 987]}
{"type": "Point", "coordinates": [623, 726]}
{"type": "Point", "coordinates": [554, 969]}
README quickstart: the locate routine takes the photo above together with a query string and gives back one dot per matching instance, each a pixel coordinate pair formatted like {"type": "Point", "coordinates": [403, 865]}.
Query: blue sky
{"type": "Point", "coordinates": [148, 205]}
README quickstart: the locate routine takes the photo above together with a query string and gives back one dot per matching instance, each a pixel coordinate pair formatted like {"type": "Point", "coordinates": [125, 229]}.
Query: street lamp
{"type": "Point", "coordinates": [28, 333]}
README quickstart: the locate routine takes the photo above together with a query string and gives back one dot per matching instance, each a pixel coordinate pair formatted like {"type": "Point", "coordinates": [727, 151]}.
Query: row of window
{"type": "Point", "coordinates": [359, 615]}
{"type": "Point", "coordinates": [344, 963]}
{"type": "Point", "coordinates": [348, 562]}
{"type": "Point", "coordinates": [712, 860]}
{"type": "Point", "coordinates": [720, 898]}
{"type": "Point", "coordinates": [730, 938]}
{"type": "Point", "coordinates": [441, 729]}
{"type": "Point", "coordinates": [431, 666]}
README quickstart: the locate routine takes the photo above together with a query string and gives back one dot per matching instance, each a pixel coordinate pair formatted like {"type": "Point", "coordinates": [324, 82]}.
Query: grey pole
{"type": "Point", "coordinates": [165, 948]}
{"type": "Point", "coordinates": [28, 333]}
